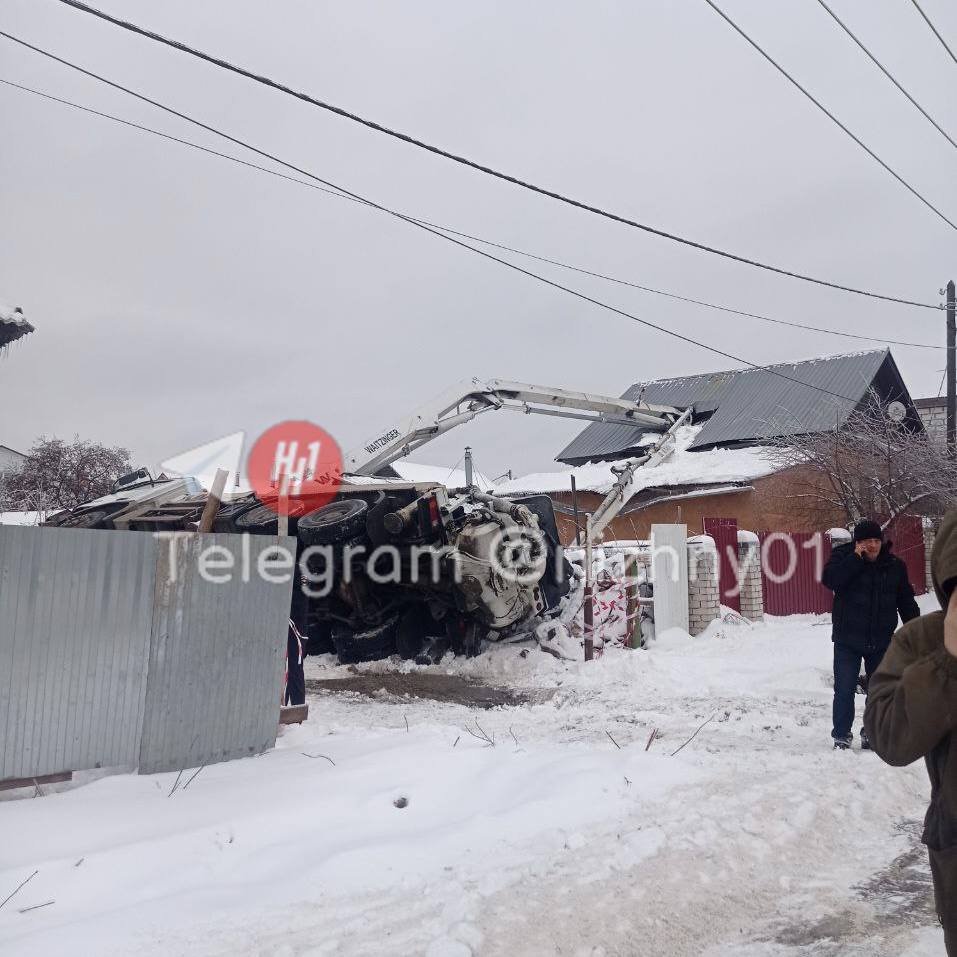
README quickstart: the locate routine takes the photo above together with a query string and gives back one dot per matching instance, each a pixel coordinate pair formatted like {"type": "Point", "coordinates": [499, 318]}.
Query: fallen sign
{"type": "Point", "coordinates": [293, 713]}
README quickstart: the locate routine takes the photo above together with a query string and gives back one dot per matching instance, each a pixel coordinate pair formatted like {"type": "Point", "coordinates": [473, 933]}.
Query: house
{"type": "Point", "coordinates": [13, 326]}
{"type": "Point", "coordinates": [933, 413]}
{"type": "Point", "coordinates": [722, 465]}
{"type": "Point", "coordinates": [10, 460]}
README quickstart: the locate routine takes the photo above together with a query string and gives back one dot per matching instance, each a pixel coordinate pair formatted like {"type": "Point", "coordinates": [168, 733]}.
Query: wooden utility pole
{"type": "Point", "coordinates": [578, 528]}
{"type": "Point", "coordinates": [213, 501]}
{"type": "Point", "coordinates": [951, 369]}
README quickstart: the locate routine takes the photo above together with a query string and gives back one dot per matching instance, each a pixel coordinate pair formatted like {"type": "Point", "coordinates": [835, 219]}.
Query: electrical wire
{"type": "Point", "coordinates": [457, 232]}
{"type": "Point", "coordinates": [505, 177]}
{"type": "Point", "coordinates": [937, 34]}
{"type": "Point", "coordinates": [451, 239]}
{"type": "Point", "coordinates": [888, 74]}
{"type": "Point", "coordinates": [767, 56]}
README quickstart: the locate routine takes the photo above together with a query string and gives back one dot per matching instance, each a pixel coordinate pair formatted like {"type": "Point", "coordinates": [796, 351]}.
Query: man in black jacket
{"type": "Point", "coordinates": [870, 588]}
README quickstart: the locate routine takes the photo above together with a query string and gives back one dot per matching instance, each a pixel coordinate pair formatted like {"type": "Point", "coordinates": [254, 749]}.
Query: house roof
{"type": "Point", "coordinates": [742, 406]}
{"type": "Point", "coordinates": [682, 468]}
{"type": "Point", "coordinates": [12, 325]}
{"type": "Point", "coordinates": [933, 402]}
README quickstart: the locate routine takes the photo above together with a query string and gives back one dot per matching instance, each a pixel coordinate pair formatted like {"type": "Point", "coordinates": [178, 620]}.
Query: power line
{"type": "Point", "coordinates": [900, 179]}
{"type": "Point", "coordinates": [506, 177]}
{"type": "Point", "coordinates": [887, 73]}
{"type": "Point", "coordinates": [457, 232]}
{"type": "Point", "coordinates": [429, 229]}
{"type": "Point", "coordinates": [953, 56]}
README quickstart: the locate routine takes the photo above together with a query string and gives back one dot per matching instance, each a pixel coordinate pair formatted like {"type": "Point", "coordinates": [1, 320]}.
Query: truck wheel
{"type": "Point", "coordinates": [262, 520]}
{"type": "Point", "coordinates": [371, 645]}
{"type": "Point", "coordinates": [334, 523]}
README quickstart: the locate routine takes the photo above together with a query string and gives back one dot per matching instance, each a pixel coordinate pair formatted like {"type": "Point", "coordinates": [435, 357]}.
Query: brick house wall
{"type": "Point", "coordinates": [933, 413]}
{"type": "Point", "coordinates": [767, 503]}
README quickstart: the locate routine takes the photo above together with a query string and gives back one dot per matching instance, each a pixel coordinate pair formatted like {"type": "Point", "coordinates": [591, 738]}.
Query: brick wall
{"type": "Point", "coordinates": [934, 417]}
{"type": "Point", "coordinates": [704, 602]}
{"type": "Point", "coordinates": [928, 545]}
{"type": "Point", "coordinates": [770, 502]}
{"type": "Point", "coordinates": [752, 592]}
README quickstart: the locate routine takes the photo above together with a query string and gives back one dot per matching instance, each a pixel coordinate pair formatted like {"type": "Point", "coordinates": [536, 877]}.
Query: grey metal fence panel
{"type": "Point", "coordinates": [75, 612]}
{"type": "Point", "coordinates": [217, 653]}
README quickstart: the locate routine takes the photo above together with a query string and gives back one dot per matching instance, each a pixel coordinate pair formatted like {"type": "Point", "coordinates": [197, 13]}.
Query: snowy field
{"type": "Point", "coordinates": [389, 826]}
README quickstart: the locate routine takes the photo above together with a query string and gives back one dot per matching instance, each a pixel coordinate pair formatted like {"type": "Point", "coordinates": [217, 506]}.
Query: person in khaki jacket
{"type": "Point", "coordinates": [912, 713]}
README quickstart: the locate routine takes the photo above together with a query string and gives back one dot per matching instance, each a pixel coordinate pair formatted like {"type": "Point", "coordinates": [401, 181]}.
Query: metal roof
{"type": "Point", "coordinates": [748, 405]}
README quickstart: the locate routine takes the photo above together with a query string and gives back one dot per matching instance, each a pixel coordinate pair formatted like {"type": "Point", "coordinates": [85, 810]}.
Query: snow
{"type": "Point", "coordinates": [682, 467]}
{"type": "Point", "coordinates": [567, 836]}
{"type": "Point", "coordinates": [12, 315]}
{"type": "Point", "coordinates": [838, 534]}
{"type": "Point", "coordinates": [21, 518]}
{"type": "Point", "coordinates": [747, 538]}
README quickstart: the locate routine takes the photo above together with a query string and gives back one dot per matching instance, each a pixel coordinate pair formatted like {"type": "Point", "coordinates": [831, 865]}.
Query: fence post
{"type": "Point", "coordinates": [749, 571]}
{"type": "Point", "coordinates": [669, 573]}
{"type": "Point", "coordinates": [703, 591]}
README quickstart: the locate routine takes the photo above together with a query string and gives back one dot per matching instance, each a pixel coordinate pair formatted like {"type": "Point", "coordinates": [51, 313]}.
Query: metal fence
{"type": "Point", "coordinates": [109, 659]}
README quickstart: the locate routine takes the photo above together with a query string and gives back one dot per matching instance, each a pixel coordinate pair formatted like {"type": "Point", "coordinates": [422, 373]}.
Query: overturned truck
{"type": "Point", "coordinates": [394, 567]}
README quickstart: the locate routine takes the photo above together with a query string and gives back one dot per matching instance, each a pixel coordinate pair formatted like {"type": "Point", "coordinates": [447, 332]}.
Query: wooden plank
{"type": "Point", "coordinates": [293, 714]}
{"type": "Point", "coordinates": [10, 783]}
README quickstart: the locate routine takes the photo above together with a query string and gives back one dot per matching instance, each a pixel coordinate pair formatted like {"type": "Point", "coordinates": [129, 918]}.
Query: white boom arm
{"type": "Point", "coordinates": [623, 489]}
{"type": "Point", "coordinates": [471, 397]}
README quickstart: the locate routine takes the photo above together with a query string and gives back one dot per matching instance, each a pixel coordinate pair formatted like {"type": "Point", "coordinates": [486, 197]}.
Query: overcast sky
{"type": "Point", "coordinates": [178, 297]}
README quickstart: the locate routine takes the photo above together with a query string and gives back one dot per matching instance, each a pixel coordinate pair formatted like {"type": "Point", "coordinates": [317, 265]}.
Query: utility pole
{"type": "Point", "coordinates": [951, 369]}
{"type": "Point", "coordinates": [588, 610]}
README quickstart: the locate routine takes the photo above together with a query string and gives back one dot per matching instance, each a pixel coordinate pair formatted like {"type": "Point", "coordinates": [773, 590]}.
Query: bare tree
{"type": "Point", "coordinates": [868, 466]}
{"type": "Point", "coordinates": [58, 475]}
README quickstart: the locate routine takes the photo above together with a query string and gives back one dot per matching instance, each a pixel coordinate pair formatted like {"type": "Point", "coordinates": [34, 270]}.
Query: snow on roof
{"type": "Point", "coordinates": [683, 467]}
{"type": "Point", "coordinates": [13, 325]}
{"type": "Point", "coordinates": [452, 478]}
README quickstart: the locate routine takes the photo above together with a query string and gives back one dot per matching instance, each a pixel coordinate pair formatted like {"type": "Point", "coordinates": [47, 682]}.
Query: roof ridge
{"type": "Point", "coordinates": [771, 365]}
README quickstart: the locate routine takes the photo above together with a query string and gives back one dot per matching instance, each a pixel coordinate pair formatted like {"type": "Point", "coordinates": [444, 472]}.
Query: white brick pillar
{"type": "Point", "coordinates": [704, 600]}
{"type": "Point", "coordinates": [929, 536]}
{"type": "Point", "coordinates": [749, 571]}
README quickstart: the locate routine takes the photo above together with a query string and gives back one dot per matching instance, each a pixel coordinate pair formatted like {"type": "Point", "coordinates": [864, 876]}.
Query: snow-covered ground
{"type": "Point", "coordinates": [389, 826]}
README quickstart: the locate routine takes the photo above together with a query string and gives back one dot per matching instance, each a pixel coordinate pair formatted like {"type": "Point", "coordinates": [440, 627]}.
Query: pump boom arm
{"type": "Point", "coordinates": [472, 397]}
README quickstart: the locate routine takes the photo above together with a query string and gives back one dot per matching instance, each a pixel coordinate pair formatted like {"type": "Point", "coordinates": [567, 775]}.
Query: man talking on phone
{"type": "Point", "coordinates": [912, 713]}
{"type": "Point", "coordinates": [871, 588]}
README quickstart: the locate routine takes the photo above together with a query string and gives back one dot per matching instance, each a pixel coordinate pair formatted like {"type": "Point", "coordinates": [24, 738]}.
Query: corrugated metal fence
{"type": "Point", "coordinates": [116, 652]}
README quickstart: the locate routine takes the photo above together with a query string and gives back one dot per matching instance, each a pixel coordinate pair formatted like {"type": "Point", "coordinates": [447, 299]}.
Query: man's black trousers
{"type": "Point", "coordinates": [847, 668]}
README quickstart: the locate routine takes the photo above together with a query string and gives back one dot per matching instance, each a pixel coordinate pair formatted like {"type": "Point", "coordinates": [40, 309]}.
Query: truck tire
{"type": "Point", "coordinates": [334, 523]}
{"type": "Point", "coordinates": [371, 645]}
{"type": "Point", "coordinates": [262, 520]}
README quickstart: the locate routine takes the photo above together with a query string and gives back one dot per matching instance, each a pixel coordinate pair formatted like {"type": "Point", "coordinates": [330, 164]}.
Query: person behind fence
{"type": "Point", "coordinates": [871, 588]}
{"type": "Point", "coordinates": [912, 713]}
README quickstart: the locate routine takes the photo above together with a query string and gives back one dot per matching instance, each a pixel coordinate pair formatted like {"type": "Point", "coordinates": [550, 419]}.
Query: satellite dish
{"type": "Point", "coordinates": [896, 411]}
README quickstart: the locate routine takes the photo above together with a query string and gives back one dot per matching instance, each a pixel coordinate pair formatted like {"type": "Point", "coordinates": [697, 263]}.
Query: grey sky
{"type": "Point", "coordinates": [178, 297]}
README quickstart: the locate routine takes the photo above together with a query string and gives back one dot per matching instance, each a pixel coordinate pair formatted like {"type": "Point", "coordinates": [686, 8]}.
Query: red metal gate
{"type": "Point", "coordinates": [791, 566]}
{"type": "Point", "coordinates": [907, 534]}
{"type": "Point", "coordinates": [724, 531]}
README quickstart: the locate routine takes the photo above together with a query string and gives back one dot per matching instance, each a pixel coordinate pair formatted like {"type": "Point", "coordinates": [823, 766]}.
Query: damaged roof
{"type": "Point", "coordinates": [12, 325]}
{"type": "Point", "coordinates": [746, 406]}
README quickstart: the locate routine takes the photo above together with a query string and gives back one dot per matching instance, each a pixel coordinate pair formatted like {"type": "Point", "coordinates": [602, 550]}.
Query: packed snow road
{"type": "Point", "coordinates": [392, 824]}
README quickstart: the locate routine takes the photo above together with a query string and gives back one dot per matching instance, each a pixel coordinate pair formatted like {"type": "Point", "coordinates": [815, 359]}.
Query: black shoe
{"type": "Point", "coordinates": [843, 744]}
{"type": "Point", "coordinates": [865, 742]}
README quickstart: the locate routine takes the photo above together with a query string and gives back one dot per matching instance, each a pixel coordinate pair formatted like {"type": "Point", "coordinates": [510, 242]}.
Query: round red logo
{"type": "Point", "coordinates": [295, 467]}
